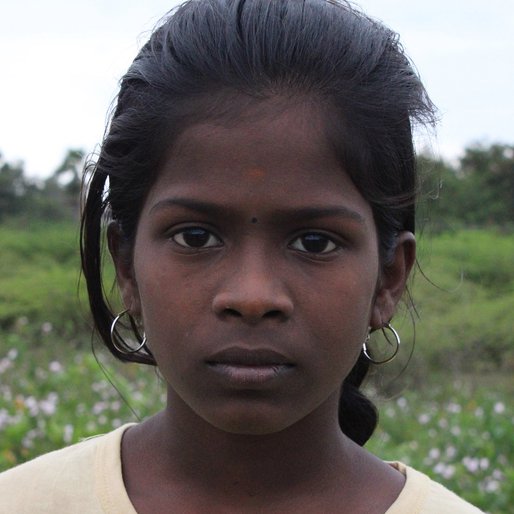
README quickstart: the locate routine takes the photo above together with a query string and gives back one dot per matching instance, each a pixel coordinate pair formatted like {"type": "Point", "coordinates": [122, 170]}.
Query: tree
{"type": "Point", "coordinates": [65, 183]}
{"type": "Point", "coordinates": [490, 172]}
{"type": "Point", "coordinates": [479, 191]}
{"type": "Point", "coordinates": [439, 194]}
{"type": "Point", "coordinates": [13, 188]}
{"type": "Point", "coordinates": [56, 198]}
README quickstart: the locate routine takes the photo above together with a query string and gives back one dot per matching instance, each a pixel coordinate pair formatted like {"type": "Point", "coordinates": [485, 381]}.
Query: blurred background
{"type": "Point", "coordinates": [446, 404]}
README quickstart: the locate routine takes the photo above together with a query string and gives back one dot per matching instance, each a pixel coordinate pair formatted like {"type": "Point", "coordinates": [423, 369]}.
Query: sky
{"type": "Point", "coordinates": [61, 61]}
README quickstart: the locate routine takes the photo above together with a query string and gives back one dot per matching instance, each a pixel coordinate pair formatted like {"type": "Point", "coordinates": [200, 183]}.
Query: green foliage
{"type": "Point", "coordinates": [460, 433]}
{"type": "Point", "coordinates": [485, 258]}
{"type": "Point", "coordinates": [12, 189]}
{"type": "Point", "coordinates": [39, 242]}
{"type": "Point", "coordinates": [478, 192]}
{"type": "Point", "coordinates": [53, 394]}
{"type": "Point", "coordinates": [39, 278]}
{"type": "Point", "coordinates": [457, 432]}
{"type": "Point", "coordinates": [54, 199]}
{"type": "Point", "coordinates": [464, 302]}
{"type": "Point", "coordinates": [492, 170]}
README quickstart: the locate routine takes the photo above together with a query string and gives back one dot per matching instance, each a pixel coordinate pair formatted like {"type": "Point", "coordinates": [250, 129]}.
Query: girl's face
{"type": "Point", "coordinates": [256, 271]}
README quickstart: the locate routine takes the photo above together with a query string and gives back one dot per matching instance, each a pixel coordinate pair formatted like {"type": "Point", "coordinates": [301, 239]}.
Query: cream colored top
{"type": "Point", "coordinates": [86, 478]}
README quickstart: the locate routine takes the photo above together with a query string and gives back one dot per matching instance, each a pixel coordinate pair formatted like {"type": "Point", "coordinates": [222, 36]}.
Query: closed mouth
{"type": "Point", "coordinates": [243, 357]}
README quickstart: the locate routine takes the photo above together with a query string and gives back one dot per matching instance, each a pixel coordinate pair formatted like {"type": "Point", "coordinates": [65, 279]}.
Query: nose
{"type": "Point", "coordinates": [253, 293]}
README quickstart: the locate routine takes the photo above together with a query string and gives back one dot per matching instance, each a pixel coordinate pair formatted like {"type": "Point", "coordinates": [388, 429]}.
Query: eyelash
{"type": "Point", "coordinates": [210, 240]}
{"type": "Point", "coordinates": [213, 240]}
{"type": "Point", "coordinates": [330, 243]}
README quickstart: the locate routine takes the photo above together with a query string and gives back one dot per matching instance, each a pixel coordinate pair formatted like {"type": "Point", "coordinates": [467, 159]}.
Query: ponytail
{"type": "Point", "coordinates": [358, 417]}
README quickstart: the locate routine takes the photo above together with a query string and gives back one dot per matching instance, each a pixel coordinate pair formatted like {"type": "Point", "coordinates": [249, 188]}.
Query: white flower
{"type": "Point", "coordinates": [492, 486]}
{"type": "Point", "coordinates": [484, 463]}
{"type": "Point", "coordinates": [401, 402]}
{"type": "Point", "coordinates": [4, 418]}
{"type": "Point", "coordinates": [46, 327]}
{"type": "Point", "coordinates": [5, 364]}
{"type": "Point", "coordinates": [443, 423]}
{"type": "Point", "coordinates": [32, 405]}
{"type": "Point", "coordinates": [68, 433]}
{"type": "Point", "coordinates": [449, 471]}
{"type": "Point", "coordinates": [454, 408]}
{"type": "Point", "coordinates": [434, 453]}
{"type": "Point", "coordinates": [497, 475]}
{"type": "Point", "coordinates": [451, 452]}
{"type": "Point", "coordinates": [22, 321]}
{"type": "Point", "coordinates": [48, 406]}
{"type": "Point", "coordinates": [499, 407]}
{"type": "Point", "coordinates": [423, 419]}
{"type": "Point", "coordinates": [455, 430]}
{"type": "Point", "coordinates": [55, 367]}
{"type": "Point", "coordinates": [445, 470]}
{"type": "Point", "coordinates": [471, 464]}
{"type": "Point", "coordinates": [99, 407]}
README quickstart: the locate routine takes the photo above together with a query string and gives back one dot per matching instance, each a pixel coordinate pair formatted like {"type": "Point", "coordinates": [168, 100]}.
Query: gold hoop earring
{"type": "Point", "coordinates": [119, 343]}
{"type": "Point", "coordinates": [396, 340]}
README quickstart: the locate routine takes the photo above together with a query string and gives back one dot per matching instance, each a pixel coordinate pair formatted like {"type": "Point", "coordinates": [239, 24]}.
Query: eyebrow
{"type": "Point", "coordinates": [301, 213]}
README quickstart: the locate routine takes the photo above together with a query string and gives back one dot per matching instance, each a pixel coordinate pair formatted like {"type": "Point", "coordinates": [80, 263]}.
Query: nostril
{"type": "Point", "coordinates": [232, 312]}
{"type": "Point", "coordinates": [274, 314]}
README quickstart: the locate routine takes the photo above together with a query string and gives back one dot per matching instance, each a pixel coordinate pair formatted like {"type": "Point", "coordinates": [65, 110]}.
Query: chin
{"type": "Point", "coordinates": [254, 423]}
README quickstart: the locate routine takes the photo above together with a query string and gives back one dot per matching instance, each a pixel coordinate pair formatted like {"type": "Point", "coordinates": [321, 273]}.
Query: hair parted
{"type": "Point", "coordinates": [210, 58]}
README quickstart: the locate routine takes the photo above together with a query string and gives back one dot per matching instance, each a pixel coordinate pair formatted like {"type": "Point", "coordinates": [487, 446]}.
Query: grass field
{"type": "Point", "coordinates": [458, 431]}
{"type": "Point", "coordinates": [450, 414]}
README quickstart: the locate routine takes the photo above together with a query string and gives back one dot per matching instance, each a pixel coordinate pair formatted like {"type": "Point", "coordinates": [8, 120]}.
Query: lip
{"type": "Point", "coordinates": [249, 367]}
{"type": "Point", "coordinates": [240, 356]}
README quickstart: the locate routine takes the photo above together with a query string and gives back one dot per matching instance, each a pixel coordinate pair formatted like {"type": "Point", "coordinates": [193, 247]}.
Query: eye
{"type": "Point", "coordinates": [195, 237]}
{"type": "Point", "coordinates": [314, 242]}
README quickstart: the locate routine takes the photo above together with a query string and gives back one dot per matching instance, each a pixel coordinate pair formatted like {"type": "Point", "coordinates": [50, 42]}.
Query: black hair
{"type": "Point", "coordinates": [206, 58]}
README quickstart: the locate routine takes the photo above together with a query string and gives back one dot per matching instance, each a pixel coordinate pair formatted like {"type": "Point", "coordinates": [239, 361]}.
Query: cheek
{"type": "Point", "coordinates": [158, 295]}
{"type": "Point", "coordinates": [173, 306]}
{"type": "Point", "coordinates": [340, 315]}
{"type": "Point", "coordinates": [346, 299]}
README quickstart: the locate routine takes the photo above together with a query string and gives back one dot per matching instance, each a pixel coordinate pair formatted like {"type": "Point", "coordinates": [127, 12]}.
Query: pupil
{"type": "Point", "coordinates": [196, 237]}
{"type": "Point", "coordinates": [314, 243]}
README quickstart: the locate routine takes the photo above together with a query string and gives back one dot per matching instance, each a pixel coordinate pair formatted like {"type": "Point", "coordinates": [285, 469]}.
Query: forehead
{"type": "Point", "coordinates": [298, 119]}
{"type": "Point", "coordinates": [274, 151]}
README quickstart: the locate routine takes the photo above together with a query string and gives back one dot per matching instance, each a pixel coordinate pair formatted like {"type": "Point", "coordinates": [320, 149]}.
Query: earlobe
{"type": "Point", "coordinates": [393, 280]}
{"type": "Point", "coordinates": [120, 251]}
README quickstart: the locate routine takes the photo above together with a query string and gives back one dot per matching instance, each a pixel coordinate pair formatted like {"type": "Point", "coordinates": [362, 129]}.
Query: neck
{"type": "Point", "coordinates": [176, 461]}
{"type": "Point", "coordinates": [309, 451]}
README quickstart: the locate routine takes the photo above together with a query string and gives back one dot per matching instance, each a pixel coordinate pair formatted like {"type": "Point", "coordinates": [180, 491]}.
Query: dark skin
{"type": "Point", "coordinates": [256, 274]}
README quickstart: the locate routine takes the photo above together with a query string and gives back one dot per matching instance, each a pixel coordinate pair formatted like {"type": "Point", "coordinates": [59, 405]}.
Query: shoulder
{"type": "Point", "coordinates": [422, 495]}
{"type": "Point", "coordinates": [61, 481]}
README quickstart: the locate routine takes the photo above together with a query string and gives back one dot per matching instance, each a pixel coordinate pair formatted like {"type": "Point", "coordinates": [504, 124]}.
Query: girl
{"type": "Point", "coordinates": [258, 184]}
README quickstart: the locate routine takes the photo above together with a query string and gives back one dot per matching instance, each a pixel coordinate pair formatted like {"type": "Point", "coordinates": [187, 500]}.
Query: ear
{"type": "Point", "coordinates": [121, 254]}
{"type": "Point", "coordinates": [393, 280]}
